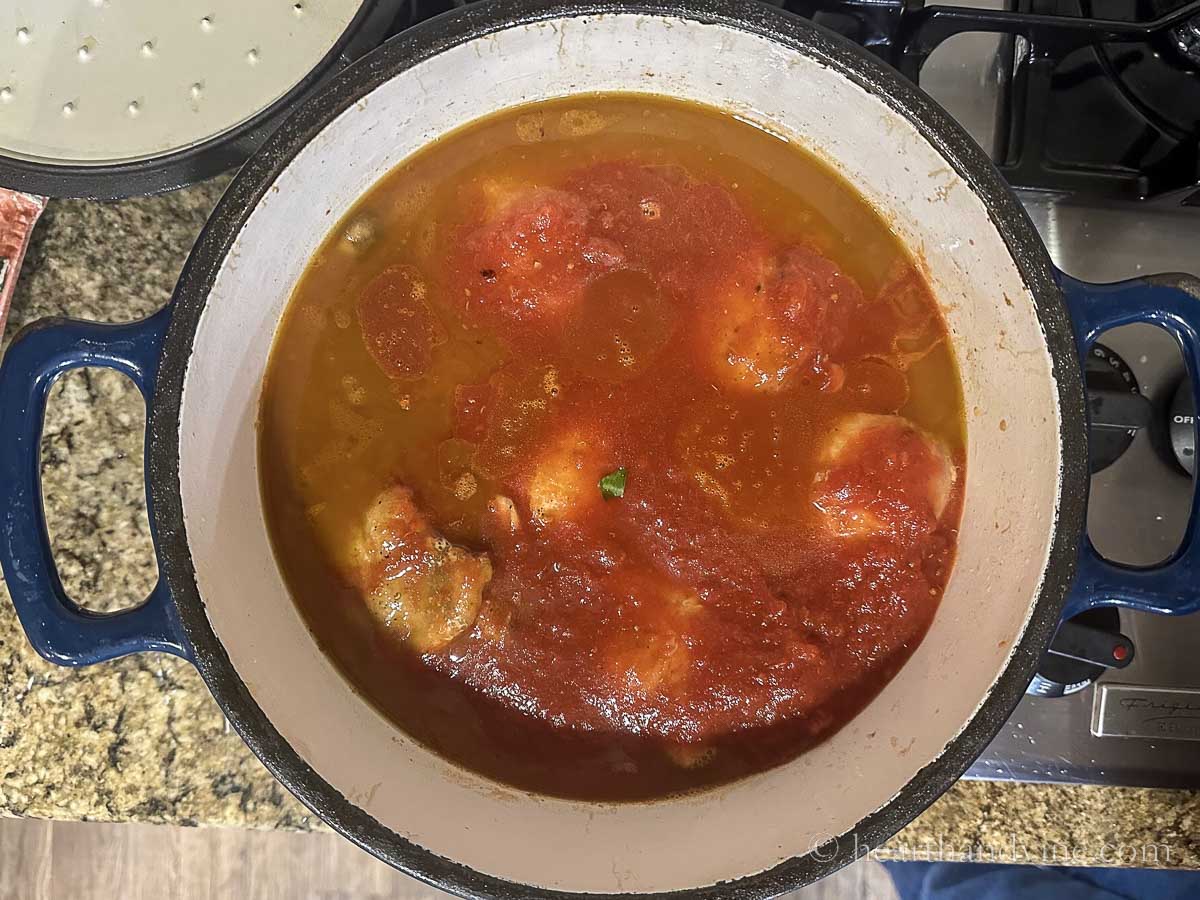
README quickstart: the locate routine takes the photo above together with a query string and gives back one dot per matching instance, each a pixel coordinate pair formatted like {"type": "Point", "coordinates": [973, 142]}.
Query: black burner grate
{"type": "Point", "coordinates": [1100, 98]}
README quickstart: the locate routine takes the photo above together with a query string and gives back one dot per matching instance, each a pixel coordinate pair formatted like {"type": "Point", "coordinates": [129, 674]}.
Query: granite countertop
{"type": "Point", "coordinates": [141, 739]}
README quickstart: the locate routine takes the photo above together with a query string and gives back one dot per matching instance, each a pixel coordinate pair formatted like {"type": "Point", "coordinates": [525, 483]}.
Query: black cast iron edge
{"type": "Point", "coordinates": [423, 42]}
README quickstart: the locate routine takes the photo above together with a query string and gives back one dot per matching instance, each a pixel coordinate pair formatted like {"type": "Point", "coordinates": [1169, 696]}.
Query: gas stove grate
{"type": "Point", "coordinates": [1100, 99]}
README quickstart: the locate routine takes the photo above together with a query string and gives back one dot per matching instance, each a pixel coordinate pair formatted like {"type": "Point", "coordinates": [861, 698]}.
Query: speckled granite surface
{"type": "Point", "coordinates": [141, 739]}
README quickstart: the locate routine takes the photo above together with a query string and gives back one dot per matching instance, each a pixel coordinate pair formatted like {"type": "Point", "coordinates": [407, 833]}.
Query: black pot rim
{"type": "Point", "coordinates": [422, 42]}
{"type": "Point", "coordinates": [212, 156]}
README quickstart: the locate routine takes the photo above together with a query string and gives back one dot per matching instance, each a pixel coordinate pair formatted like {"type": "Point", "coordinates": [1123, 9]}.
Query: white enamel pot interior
{"type": "Point", "coordinates": [367, 776]}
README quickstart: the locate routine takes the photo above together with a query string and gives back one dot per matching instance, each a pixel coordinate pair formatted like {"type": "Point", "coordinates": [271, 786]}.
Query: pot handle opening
{"type": "Point", "coordinates": [58, 628]}
{"type": "Point", "coordinates": [1172, 302]}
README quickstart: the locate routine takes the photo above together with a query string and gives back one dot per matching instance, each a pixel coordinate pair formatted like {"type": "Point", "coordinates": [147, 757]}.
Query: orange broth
{"type": "Point", "coordinates": [682, 408]}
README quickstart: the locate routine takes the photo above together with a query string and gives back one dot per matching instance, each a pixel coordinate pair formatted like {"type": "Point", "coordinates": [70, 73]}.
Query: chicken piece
{"type": "Point", "coordinates": [882, 476]}
{"type": "Point", "coordinates": [531, 258]}
{"type": "Point", "coordinates": [778, 319]}
{"type": "Point", "coordinates": [564, 482]}
{"type": "Point", "coordinates": [416, 584]}
{"type": "Point", "coordinates": [751, 350]}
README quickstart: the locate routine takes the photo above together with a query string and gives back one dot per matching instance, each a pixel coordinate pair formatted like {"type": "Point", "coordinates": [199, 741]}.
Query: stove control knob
{"type": "Point", "coordinates": [1186, 38]}
{"type": "Point", "coordinates": [1183, 427]}
{"type": "Point", "coordinates": [1084, 648]}
{"type": "Point", "coordinates": [1116, 407]}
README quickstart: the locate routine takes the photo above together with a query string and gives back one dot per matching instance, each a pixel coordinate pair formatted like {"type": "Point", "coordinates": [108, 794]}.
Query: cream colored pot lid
{"type": "Point", "coordinates": [106, 81]}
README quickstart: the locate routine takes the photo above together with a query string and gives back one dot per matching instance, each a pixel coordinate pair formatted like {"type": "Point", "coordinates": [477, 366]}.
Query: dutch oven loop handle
{"type": "Point", "coordinates": [1171, 302]}
{"type": "Point", "coordinates": [59, 629]}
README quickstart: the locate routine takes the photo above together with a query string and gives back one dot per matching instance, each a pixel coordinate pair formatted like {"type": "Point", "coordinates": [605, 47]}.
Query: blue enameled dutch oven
{"type": "Point", "coordinates": [1019, 329]}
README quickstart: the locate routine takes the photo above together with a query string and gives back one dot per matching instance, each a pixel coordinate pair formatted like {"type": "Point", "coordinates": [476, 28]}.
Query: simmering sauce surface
{"type": "Point", "coordinates": [614, 448]}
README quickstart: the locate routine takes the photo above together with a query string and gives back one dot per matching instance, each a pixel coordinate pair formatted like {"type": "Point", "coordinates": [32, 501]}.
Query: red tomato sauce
{"type": "Point", "coordinates": [778, 513]}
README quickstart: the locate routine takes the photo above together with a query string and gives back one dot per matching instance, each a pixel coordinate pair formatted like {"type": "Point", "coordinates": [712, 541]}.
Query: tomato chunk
{"type": "Point", "coordinates": [669, 224]}
{"type": "Point", "coordinates": [528, 264]}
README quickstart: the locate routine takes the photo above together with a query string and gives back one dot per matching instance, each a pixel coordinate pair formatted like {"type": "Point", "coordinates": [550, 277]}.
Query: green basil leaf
{"type": "Point", "coordinates": [613, 484]}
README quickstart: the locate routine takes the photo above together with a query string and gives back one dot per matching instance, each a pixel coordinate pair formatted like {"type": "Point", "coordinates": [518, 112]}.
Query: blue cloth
{"type": "Point", "coordinates": [983, 881]}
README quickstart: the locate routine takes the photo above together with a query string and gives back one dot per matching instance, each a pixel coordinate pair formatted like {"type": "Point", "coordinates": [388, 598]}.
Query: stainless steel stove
{"type": "Point", "coordinates": [1139, 725]}
{"type": "Point", "coordinates": [1091, 109]}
